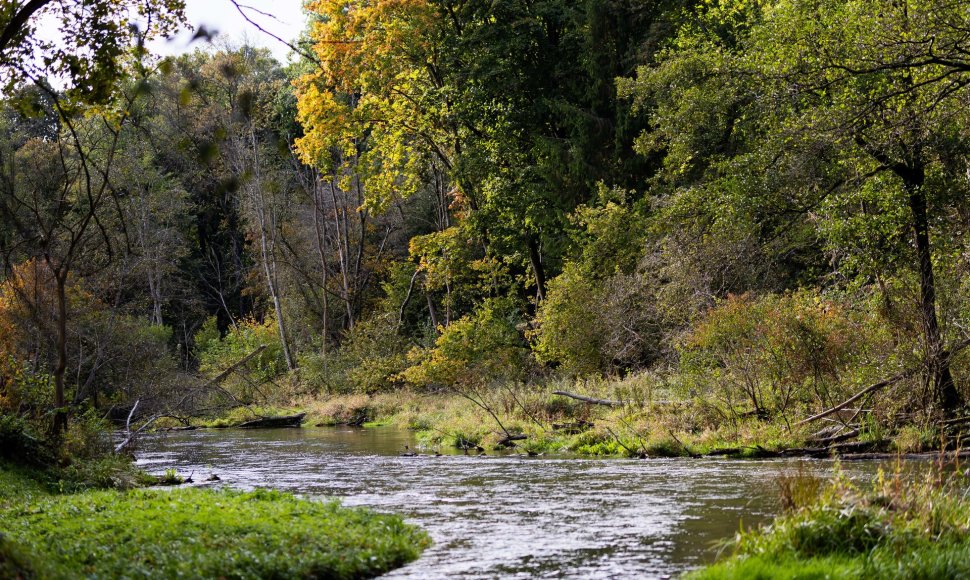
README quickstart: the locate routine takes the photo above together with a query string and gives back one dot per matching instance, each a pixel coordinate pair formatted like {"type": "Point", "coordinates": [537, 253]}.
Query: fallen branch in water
{"type": "Point", "coordinates": [130, 436]}
{"type": "Point", "coordinates": [507, 441]}
{"type": "Point", "coordinates": [271, 422]}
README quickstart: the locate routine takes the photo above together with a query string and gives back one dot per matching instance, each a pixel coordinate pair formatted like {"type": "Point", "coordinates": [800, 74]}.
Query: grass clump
{"type": "Point", "coordinates": [900, 526]}
{"type": "Point", "coordinates": [194, 533]}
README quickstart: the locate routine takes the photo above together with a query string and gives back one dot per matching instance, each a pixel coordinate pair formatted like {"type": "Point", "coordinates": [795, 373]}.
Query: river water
{"type": "Point", "coordinates": [502, 516]}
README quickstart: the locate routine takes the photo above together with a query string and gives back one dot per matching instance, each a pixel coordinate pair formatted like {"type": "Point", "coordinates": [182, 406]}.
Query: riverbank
{"type": "Point", "coordinates": [895, 527]}
{"type": "Point", "coordinates": [147, 533]}
{"type": "Point", "coordinates": [535, 420]}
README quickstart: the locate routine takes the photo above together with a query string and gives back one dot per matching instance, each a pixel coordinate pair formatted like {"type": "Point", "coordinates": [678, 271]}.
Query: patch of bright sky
{"type": "Point", "coordinates": [283, 18]}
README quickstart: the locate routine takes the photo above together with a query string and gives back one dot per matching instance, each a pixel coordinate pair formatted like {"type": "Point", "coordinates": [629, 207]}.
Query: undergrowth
{"type": "Point", "coordinates": [901, 525]}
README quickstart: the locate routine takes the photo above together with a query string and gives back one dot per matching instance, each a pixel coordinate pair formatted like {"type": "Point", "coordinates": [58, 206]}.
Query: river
{"type": "Point", "coordinates": [501, 516]}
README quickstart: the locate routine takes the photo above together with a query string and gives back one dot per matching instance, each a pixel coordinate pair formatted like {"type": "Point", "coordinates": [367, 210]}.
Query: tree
{"type": "Point", "coordinates": [56, 215]}
{"type": "Point", "coordinates": [787, 109]}
{"type": "Point", "coordinates": [93, 40]}
{"type": "Point", "coordinates": [53, 198]}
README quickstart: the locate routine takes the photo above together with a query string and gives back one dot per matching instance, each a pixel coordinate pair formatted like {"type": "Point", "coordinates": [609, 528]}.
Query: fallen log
{"type": "Point", "coordinates": [591, 400]}
{"type": "Point", "coordinates": [835, 438]}
{"type": "Point", "coordinates": [274, 422]}
{"type": "Point", "coordinates": [946, 456]}
{"type": "Point", "coordinates": [507, 441]}
{"type": "Point", "coordinates": [856, 397]}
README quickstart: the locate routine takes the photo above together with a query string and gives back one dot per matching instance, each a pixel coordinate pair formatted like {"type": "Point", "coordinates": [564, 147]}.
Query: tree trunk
{"type": "Point", "coordinates": [537, 270]}
{"type": "Point", "coordinates": [938, 359]}
{"type": "Point", "coordinates": [319, 228]}
{"type": "Point", "coordinates": [267, 248]}
{"type": "Point", "coordinates": [343, 248]}
{"type": "Point", "coordinates": [60, 405]}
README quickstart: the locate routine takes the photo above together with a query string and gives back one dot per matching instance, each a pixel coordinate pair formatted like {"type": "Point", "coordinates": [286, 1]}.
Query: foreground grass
{"type": "Point", "coordinates": [191, 533]}
{"type": "Point", "coordinates": [895, 528]}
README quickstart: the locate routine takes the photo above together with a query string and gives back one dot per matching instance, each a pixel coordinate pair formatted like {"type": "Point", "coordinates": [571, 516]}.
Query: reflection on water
{"type": "Point", "coordinates": [508, 516]}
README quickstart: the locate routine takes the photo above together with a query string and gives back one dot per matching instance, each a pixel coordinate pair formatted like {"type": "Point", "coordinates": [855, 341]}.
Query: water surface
{"type": "Point", "coordinates": [501, 516]}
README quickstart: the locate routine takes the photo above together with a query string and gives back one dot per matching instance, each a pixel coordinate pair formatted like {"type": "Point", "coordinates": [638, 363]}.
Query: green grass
{"type": "Point", "coordinates": [899, 527]}
{"type": "Point", "coordinates": [191, 533]}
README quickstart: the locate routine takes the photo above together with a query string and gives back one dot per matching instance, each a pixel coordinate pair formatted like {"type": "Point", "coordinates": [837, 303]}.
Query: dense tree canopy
{"type": "Point", "coordinates": [471, 194]}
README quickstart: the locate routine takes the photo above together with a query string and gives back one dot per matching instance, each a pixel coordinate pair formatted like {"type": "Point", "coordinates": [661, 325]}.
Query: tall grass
{"type": "Point", "coordinates": [910, 522]}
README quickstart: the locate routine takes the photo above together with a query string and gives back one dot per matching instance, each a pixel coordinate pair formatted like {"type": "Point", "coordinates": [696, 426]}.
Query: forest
{"type": "Point", "coordinates": [630, 228]}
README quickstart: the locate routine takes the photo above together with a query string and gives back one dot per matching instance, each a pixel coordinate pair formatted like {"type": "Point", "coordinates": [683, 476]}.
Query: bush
{"type": "Point", "coordinates": [478, 349]}
{"type": "Point", "coordinates": [368, 361]}
{"type": "Point", "coordinates": [897, 527]}
{"type": "Point", "coordinates": [112, 355]}
{"type": "Point", "coordinates": [599, 315]}
{"type": "Point", "coordinates": [773, 351]}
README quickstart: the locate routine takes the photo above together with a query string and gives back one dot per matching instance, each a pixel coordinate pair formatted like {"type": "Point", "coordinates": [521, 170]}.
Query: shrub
{"type": "Point", "coordinates": [600, 314]}
{"type": "Point", "coordinates": [569, 325]}
{"type": "Point", "coordinates": [217, 354]}
{"type": "Point", "coordinates": [895, 527]}
{"type": "Point", "coordinates": [368, 361]}
{"type": "Point", "coordinates": [477, 349]}
{"type": "Point", "coordinates": [772, 351]}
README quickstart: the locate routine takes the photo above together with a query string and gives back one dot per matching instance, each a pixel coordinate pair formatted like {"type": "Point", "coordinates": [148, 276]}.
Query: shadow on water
{"type": "Point", "coordinates": [502, 516]}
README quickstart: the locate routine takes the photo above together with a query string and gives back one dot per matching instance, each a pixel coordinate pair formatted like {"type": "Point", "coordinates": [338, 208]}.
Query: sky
{"type": "Point", "coordinates": [286, 21]}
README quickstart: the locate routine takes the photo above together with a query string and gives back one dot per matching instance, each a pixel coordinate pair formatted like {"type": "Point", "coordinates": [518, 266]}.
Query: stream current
{"type": "Point", "coordinates": [502, 516]}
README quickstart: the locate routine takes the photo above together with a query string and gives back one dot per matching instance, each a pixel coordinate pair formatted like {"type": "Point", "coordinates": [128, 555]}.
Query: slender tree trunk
{"type": "Point", "coordinates": [320, 229]}
{"type": "Point", "coordinates": [342, 253]}
{"type": "Point", "coordinates": [60, 404]}
{"type": "Point", "coordinates": [938, 359]}
{"type": "Point", "coordinates": [269, 270]}
{"type": "Point", "coordinates": [268, 251]}
{"type": "Point", "coordinates": [537, 270]}
{"type": "Point", "coordinates": [432, 311]}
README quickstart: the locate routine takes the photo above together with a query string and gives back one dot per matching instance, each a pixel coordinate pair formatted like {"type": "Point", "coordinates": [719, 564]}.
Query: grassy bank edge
{"type": "Point", "coordinates": [190, 532]}
{"type": "Point", "coordinates": [554, 424]}
{"type": "Point", "coordinates": [912, 522]}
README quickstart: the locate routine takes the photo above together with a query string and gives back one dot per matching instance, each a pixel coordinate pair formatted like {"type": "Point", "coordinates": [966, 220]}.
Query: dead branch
{"type": "Point", "coordinates": [590, 400]}
{"type": "Point", "coordinates": [857, 396]}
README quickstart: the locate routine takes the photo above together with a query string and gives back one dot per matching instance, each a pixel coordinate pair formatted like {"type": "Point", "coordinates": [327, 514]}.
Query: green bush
{"type": "Point", "coordinates": [897, 527]}
{"type": "Point", "coordinates": [770, 352]}
{"type": "Point", "coordinates": [367, 362]}
{"type": "Point", "coordinates": [600, 314]}
{"type": "Point", "coordinates": [478, 349]}
{"type": "Point", "coordinates": [569, 330]}
{"type": "Point", "coordinates": [204, 534]}
{"type": "Point", "coordinates": [216, 354]}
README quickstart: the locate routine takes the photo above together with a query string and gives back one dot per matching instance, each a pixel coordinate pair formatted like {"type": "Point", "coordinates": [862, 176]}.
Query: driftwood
{"type": "Point", "coordinates": [835, 438]}
{"type": "Point", "coordinates": [947, 456]}
{"type": "Point", "coordinates": [272, 422]}
{"type": "Point", "coordinates": [856, 397]}
{"type": "Point", "coordinates": [507, 441]}
{"type": "Point", "coordinates": [590, 400]}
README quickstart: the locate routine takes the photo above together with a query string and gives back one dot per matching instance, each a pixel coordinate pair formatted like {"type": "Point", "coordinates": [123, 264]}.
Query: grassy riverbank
{"type": "Point", "coordinates": [650, 423]}
{"type": "Point", "coordinates": [145, 533]}
{"type": "Point", "coordinates": [896, 527]}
